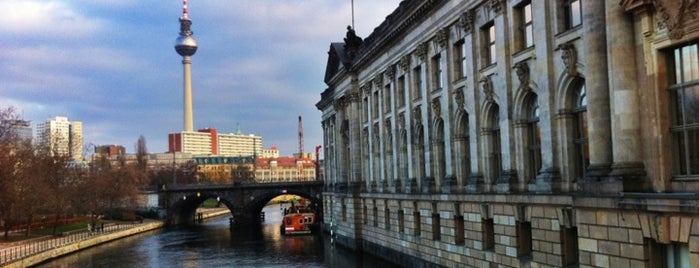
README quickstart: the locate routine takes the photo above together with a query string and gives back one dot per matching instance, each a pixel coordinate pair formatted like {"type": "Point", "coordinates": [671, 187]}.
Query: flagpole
{"type": "Point", "coordinates": [352, 14]}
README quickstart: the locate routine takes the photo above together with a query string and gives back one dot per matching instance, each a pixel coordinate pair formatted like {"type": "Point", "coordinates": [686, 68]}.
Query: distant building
{"type": "Point", "coordinates": [230, 169]}
{"type": "Point", "coordinates": [272, 152]}
{"type": "Point", "coordinates": [22, 128]}
{"type": "Point", "coordinates": [209, 142]}
{"type": "Point", "coordinates": [109, 150]}
{"type": "Point", "coordinates": [62, 136]}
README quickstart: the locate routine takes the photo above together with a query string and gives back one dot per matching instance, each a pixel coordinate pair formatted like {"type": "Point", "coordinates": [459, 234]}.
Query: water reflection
{"type": "Point", "coordinates": [212, 244]}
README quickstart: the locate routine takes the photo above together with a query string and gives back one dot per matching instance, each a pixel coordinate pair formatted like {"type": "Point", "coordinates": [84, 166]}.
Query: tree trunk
{"type": "Point", "coordinates": [29, 225]}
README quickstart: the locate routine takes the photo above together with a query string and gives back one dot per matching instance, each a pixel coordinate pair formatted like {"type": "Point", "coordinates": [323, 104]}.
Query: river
{"type": "Point", "coordinates": [212, 244]}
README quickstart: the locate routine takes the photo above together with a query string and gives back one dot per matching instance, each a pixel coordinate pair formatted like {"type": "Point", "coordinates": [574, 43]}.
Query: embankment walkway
{"type": "Point", "coordinates": [35, 251]}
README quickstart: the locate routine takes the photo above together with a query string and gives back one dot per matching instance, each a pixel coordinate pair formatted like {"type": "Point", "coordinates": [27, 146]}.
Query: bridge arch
{"type": "Point", "coordinates": [244, 201]}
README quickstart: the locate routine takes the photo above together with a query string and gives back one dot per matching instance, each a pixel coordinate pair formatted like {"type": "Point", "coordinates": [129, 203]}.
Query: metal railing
{"type": "Point", "coordinates": [29, 248]}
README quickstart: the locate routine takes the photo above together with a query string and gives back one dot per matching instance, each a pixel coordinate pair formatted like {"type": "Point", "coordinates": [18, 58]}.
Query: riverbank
{"type": "Point", "coordinates": [35, 251]}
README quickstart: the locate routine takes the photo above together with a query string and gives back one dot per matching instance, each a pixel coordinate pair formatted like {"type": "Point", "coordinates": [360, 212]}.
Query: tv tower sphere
{"type": "Point", "coordinates": [185, 45]}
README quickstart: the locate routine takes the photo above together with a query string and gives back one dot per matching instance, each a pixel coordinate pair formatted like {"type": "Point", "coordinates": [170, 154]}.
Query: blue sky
{"type": "Point", "coordinates": [111, 64]}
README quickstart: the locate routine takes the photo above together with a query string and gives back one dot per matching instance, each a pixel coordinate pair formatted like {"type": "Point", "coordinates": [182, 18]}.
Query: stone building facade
{"type": "Point", "coordinates": [519, 133]}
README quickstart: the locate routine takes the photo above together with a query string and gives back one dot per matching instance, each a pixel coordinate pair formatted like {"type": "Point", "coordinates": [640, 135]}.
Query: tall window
{"type": "Point", "coordinates": [365, 111]}
{"type": "Point", "coordinates": [417, 83]}
{"type": "Point", "coordinates": [684, 95]}
{"type": "Point", "coordinates": [495, 155]}
{"type": "Point", "coordinates": [489, 43]}
{"type": "Point", "coordinates": [459, 60]}
{"type": "Point", "coordinates": [527, 29]}
{"type": "Point", "coordinates": [400, 91]}
{"type": "Point", "coordinates": [375, 105]}
{"type": "Point", "coordinates": [387, 99]}
{"type": "Point", "coordinates": [582, 152]}
{"type": "Point", "coordinates": [534, 144]}
{"type": "Point", "coordinates": [573, 13]}
{"type": "Point", "coordinates": [437, 78]}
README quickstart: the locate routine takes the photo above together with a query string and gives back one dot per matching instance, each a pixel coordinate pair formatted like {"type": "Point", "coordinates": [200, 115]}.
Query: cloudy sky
{"type": "Point", "coordinates": [111, 64]}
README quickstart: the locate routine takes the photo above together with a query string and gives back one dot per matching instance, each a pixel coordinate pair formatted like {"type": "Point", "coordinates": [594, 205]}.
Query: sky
{"type": "Point", "coordinates": [111, 64]}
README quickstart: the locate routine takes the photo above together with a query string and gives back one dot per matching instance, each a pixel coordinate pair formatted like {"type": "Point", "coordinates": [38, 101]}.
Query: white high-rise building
{"type": "Point", "coordinates": [62, 136]}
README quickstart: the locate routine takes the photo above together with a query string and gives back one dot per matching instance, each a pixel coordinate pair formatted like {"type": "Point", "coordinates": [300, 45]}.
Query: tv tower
{"type": "Point", "coordinates": [186, 46]}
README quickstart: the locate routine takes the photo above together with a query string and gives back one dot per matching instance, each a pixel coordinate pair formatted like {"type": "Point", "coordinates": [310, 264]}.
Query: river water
{"type": "Point", "coordinates": [213, 244]}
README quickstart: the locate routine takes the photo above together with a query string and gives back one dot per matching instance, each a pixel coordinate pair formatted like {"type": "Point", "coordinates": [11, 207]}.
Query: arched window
{"type": "Point", "coordinates": [494, 154]}
{"type": "Point", "coordinates": [582, 152]}
{"type": "Point", "coordinates": [534, 135]}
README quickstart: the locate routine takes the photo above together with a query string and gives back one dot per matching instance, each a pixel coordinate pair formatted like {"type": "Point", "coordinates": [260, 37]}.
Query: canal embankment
{"type": "Point", "coordinates": [35, 251]}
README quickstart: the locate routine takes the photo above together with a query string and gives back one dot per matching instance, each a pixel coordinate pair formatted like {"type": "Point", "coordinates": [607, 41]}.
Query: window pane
{"type": "Point", "coordinates": [582, 99]}
{"type": "Point", "coordinates": [693, 153]}
{"type": "Point", "coordinates": [529, 39]}
{"type": "Point", "coordinates": [691, 104]}
{"type": "Point", "coordinates": [528, 13]}
{"type": "Point", "coordinates": [689, 64]}
{"type": "Point", "coordinates": [678, 66]}
{"type": "Point", "coordinates": [575, 13]}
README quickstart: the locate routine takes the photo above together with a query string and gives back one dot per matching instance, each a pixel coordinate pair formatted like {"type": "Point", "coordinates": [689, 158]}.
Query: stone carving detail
{"type": "Point", "coordinates": [366, 89]}
{"type": "Point", "coordinates": [570, 58]}
{"type": "Point", "coordinates": [354, 95]}
{"type": "Point", "coordinates": [404, 63]}
{"type": "Point", "coordinates": [437, 108]}
{"type": "Point", "coordinates": [466, 20]}
{"type": "Point", "coordinates": [488, 90]}
{"type": "Point", "coordinates": [672, 14]}
{"type": "Point", "coordinates": [378, 80]}
{"type": "Point", "coordinates": [421, 51]}
{"type": "Point", "coordinates": [390, 72]}
{"type": "Point", "coordinates": [522, 71]}
{"type": "Point", "coordinates": [459, 97]}
{"type": "Point", "coordinates": [442, 37]}
{"type": "Point", "coordinates": [417, 115]}
{"type": "Point", "coordinates": [497, 6]}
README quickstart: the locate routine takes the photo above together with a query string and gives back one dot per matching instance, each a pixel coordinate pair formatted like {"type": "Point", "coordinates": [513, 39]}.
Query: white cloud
{"type": "Point", "coordinates": [46, 18]}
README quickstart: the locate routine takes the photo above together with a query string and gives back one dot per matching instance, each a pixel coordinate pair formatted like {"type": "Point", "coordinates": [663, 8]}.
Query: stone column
{"type": "Point", "coordinates": [355, 128]}
{"type": "Point", "coordinates": [596, 84]}
{"type": "Point", "coordinates": [626, 130]}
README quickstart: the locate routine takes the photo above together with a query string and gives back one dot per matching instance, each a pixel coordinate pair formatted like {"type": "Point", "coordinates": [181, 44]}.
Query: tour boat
{"type": "Point", "coordinates": [298, 220]}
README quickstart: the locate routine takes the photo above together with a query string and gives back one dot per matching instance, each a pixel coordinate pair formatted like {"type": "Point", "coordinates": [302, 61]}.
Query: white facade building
{"type": "Point", "coordinates": [63, 137]}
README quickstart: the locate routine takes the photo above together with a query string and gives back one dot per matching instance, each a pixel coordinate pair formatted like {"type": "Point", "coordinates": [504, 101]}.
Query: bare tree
{"type": "Point", "coordinates": [141, 162]}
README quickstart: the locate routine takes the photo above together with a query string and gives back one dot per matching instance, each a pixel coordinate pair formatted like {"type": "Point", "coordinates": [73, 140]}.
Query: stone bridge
{"type": "Point", "coordinates": [245, 201]}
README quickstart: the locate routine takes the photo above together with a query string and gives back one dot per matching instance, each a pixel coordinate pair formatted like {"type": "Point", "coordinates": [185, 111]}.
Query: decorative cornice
{"type": "Point", "coordinates": [570, 58]}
